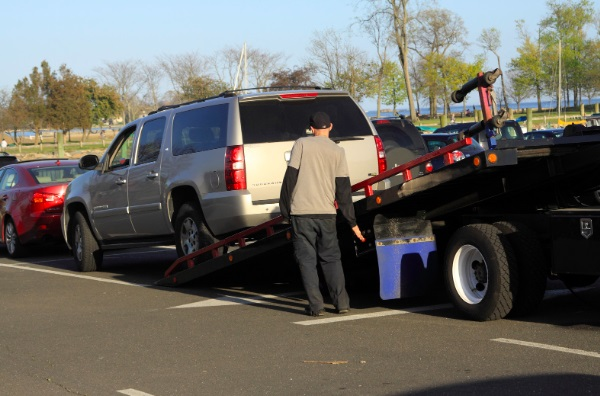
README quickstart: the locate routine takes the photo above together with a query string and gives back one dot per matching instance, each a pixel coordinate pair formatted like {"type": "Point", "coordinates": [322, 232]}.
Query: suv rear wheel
{"type": "Point", "coordinates": [191, 233]}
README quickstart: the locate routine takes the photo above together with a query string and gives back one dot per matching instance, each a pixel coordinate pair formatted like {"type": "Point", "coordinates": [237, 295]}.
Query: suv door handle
{"type": "Point", "coordinates": [121, 181]}
{"type": "Point", "coordinates": [152, 175]}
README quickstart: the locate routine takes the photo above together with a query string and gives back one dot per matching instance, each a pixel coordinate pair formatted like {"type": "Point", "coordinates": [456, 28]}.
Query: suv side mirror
{"type": "Point", "coordinates": [89, 161]}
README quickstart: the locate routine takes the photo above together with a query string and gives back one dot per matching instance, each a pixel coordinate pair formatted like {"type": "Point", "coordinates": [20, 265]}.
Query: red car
{"type": "Point", "coordinates": [31, 202]}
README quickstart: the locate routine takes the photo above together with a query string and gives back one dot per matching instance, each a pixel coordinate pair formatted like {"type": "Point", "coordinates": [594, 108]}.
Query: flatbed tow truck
{"type": "Point", "coordinates": [492, 227]}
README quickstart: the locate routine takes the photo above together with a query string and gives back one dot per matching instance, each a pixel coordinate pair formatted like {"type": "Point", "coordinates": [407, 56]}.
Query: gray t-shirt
{"type": "Point", "coordinates": [319, 161]}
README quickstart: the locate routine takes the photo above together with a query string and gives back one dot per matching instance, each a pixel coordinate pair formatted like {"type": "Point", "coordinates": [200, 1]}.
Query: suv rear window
{"type": "Point", "coordinates": [200, 129]}
{"type": "Point", "coordinates": [278, 121]}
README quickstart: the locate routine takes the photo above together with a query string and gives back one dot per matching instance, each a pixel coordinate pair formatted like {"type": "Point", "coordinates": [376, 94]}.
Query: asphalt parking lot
{"type": "Point", "coordinates": [241, 331]}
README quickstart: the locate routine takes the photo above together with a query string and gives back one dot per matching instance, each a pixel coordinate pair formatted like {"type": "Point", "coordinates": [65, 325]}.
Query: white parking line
{"type": "Point", "coordinates": [249, 299]}
{"type": "Point", "coordinates": [21, 267]}
{"type": "Point", "coordinates": [347, 317]}
{"type": "Point", "coordinates": [549, 347]}
{"type": "Point", "coordinates": [133, 392]}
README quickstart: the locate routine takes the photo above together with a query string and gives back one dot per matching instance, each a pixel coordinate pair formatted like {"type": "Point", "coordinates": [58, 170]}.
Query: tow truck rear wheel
{"type": "Point", "coordinates": [480, 272]}
{"type": "Point", "coordinates": [191, 233]}
{"type": "Point", "coordinates": [532, 266]}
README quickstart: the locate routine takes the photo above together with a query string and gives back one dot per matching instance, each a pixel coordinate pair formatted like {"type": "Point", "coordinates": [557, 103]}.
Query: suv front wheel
{"type": "Point", "coordinates": [88, 255]}
{"type": "Point", "coordinates": [191, 233]}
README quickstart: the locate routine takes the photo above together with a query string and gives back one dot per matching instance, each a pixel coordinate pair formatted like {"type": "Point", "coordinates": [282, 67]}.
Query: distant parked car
{"type": "Point", "coordinates": [544, 134]}
{"type": "Point", "coordinates": [402, 143]}
{"type": "Point", "coordinates": [436, 141]}
{"type": "Point", "coordinates": [32, 194]}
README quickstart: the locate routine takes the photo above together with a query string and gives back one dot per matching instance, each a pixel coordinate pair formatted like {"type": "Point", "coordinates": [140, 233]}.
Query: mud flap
{"type": "Point", "coordinates": [406, 255]}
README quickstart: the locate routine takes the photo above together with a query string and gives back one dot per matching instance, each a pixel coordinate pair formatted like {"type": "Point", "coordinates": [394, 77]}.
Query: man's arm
{"type": "Point", "coordinates": [287, 188]}
{"type": "Point", "coordinates": [343, 197]}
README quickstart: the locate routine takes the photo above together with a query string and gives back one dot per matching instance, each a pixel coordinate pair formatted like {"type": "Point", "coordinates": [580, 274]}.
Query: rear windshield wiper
{"type": "Point", "coordinates": [343, 139]}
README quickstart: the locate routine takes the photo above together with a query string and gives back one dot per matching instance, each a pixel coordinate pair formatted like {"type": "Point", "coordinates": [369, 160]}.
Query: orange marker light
{"type": "Point", "coordinates": [492, 158]}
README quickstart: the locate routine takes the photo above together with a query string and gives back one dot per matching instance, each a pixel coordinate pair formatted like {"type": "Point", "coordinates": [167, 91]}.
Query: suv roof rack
{"type": "Point", "coordinates": [233, 92]}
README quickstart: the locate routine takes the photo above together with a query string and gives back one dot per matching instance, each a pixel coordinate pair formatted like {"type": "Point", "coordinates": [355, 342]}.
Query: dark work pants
{"type": "Point", "coordinates": [315, 242]}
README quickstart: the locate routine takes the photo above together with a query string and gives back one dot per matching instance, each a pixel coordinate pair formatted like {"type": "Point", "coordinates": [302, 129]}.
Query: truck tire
{"type": "Point", "coordinates": [480, 272]}
{"type": "Point", "coordinates": [191, 233]}
{"type": "Point", "coordinates": [532, 267]}
{"type": "Point", "coordinates": [86, 251]}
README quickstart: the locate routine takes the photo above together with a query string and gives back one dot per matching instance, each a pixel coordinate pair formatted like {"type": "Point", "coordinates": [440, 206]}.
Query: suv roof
{"type": "Point", "coordinates": [402, 142]}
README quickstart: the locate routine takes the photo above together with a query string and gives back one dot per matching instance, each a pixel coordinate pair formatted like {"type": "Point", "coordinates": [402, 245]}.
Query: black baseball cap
{"type": "Point", "coordinates": [320, 120]}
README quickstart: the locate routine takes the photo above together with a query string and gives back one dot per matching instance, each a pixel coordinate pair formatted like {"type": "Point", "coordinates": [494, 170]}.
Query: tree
{"type": "Point", "coordinates": [30, 99]}
{"type": "Point", "coordinates": [68, 106]}
{"type": "Point", "coordinates": [490, 40]}
{"type": "Point", "coordinates": [518, 89]}
{"type": "Point", "coordinates": [393, 90]}
{"type": "Point", "coordinates": [437, 39]}
{"type": "Point", "coordinates": [4, 115]}
{"type": "Point", "coordinates": [528, 64]}
{"type": "Point", "coordinates": [398, 11]}
{"type": "Point", "coordinates": [127, 80]}
{"type": "Point", "coordinates": [105, 101]}
{"type": "Point", "coordinates": [262, 65]}
{"type": "Point", "coordinates": [299, 77]}
{"type": "Point", "coordinates": [152, 76]}
{"type": "Point", "coordinates": [377, 25]}
{"type": "Point", "coordinates": [341, 65]}
{"type": "Point", "coordinates": [565, 26]}
{"type": "Point", "coordinates": [591, 81]}
{"type": "Point", "coordinates": [201, 87]}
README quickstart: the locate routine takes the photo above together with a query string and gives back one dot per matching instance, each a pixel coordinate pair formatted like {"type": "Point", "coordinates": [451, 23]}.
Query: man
{"type": "Point", "coordinates": [315, 180]}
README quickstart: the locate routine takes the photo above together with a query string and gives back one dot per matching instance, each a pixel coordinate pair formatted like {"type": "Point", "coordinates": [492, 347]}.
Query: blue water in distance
{"type": "Point", "coordinates": [457, 108]}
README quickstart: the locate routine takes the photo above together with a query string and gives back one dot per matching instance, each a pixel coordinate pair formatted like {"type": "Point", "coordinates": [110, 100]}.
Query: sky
{"type": "Point", "coordinates": [86, 35]}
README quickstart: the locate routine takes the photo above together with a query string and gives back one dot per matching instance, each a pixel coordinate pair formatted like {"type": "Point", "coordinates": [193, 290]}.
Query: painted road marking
{"type": "Point", "coordinates": [549, 347]}
{"type": "Point", "coordinates": [21, 267]}
{"type": "Point", "coordinates": [133, 392]}
{"type": "Point", "coordinates": [248, 299]}
{"type": "Point", "coordinates": [347, 317]}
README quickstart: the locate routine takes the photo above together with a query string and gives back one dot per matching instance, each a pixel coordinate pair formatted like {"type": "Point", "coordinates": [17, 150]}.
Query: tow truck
{"type": "Point", "coordinates": [490, 228]}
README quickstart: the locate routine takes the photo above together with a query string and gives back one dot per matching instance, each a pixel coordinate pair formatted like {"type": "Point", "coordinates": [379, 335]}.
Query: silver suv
{"type": "Point", "coordinates": [195, 173]}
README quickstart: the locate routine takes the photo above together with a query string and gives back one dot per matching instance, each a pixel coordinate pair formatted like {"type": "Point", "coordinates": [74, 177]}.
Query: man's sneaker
{"type": "Point", "coordinates": [343, 311]}
{"type": "Point", "coordinates": [310, 312]}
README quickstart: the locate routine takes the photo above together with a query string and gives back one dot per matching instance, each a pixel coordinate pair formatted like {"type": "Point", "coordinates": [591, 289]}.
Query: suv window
{"type": "Point", "coordinates": [120, 152]}
{"type": "Point", "coordinates": [150, 140]}
{"type": "Point", "coordinates": [200, 129]}
{"type": "Point", "coordinates": [275, 121]}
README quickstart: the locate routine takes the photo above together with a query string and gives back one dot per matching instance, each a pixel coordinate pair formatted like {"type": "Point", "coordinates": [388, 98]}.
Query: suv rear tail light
{"type": "Point", "coordinates": [381, 160]}
{"type": "Point", "coordinates": [235, 168]}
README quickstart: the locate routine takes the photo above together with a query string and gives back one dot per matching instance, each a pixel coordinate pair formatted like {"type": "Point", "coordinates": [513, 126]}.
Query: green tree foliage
{"type": "Point", "coordinates": [68, 106]}
{"type": "Point", "coordinates": [527, 66]}
{"type": "Point", "coordinates": [393, 87]}
{"type": "Point", "coordinates": [201, 87]}
{"type": "Point", "coordinates": [565, 27]}
{"type": "Point", "coordinates": [299, 77]}
{"type": "Point", "coordinates": [105, 101]}
{"type": "Point", "coordinates": [30, 98]}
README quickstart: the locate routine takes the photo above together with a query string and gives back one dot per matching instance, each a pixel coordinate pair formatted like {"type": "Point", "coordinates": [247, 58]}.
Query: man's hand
{"type": "Point", "coordinates": [358, 234]}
